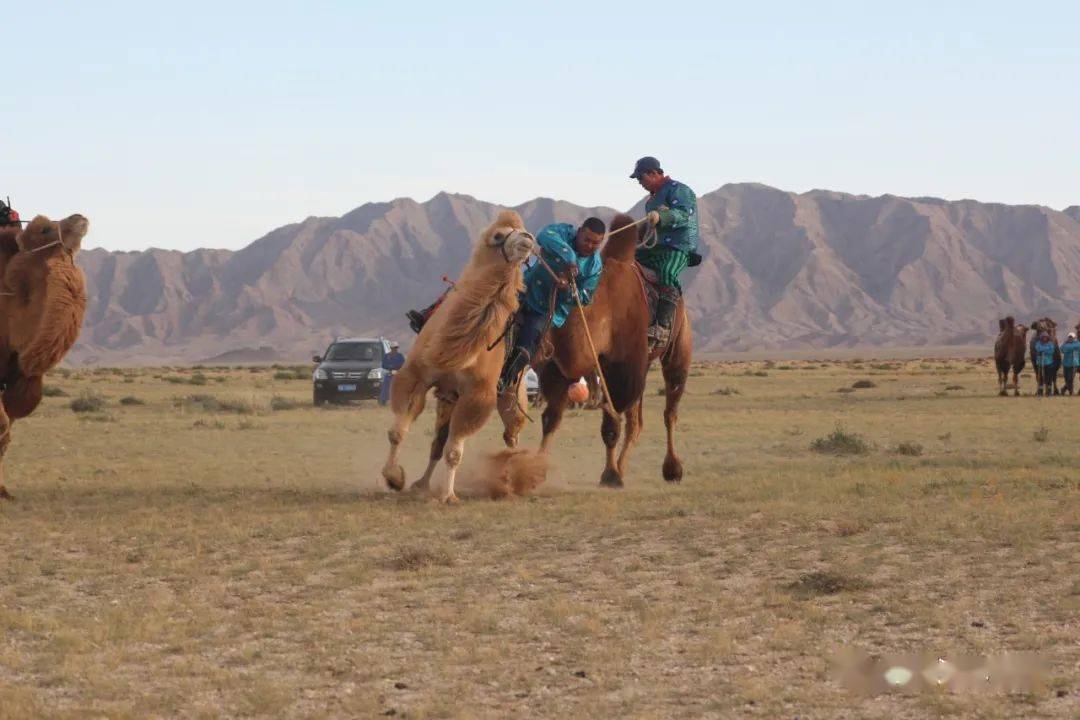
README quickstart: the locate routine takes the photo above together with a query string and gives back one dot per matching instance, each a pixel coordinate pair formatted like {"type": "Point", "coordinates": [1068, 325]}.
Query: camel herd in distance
{"type": "Point", "coordinates": [1013, 347]}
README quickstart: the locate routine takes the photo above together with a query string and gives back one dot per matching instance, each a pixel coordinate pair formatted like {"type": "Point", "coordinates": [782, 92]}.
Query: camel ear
{"type": "Point", "coordinates": [73, 230]}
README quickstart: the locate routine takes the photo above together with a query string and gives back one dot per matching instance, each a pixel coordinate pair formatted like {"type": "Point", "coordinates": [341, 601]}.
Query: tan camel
{"type": "Point", "coordinates": [452, 355]}
{"type": "Point", "coordinates": [42, 302]}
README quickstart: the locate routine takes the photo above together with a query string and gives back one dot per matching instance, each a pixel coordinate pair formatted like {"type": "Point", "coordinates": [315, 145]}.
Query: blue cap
{"type": "Point", "coordinates": [644, 165]}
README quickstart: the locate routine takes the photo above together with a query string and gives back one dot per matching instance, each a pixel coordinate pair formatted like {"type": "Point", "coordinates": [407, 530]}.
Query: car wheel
{"type": "Point", "coordinates": [318, 399]}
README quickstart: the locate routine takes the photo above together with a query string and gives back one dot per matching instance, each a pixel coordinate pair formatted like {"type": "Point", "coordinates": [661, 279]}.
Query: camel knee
{"type": "Point", "coordinates": [453, 456]}
{"type": "Point", "coordinates": [395, 436]}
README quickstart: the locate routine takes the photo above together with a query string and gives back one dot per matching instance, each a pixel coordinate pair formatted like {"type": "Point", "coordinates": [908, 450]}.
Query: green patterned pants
{"type": "Point", "coordinates": [666, 262]}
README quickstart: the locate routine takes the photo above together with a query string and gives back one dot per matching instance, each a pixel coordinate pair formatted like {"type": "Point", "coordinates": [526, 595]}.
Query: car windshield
{"type": "Point", "coordinates": [354, 351]}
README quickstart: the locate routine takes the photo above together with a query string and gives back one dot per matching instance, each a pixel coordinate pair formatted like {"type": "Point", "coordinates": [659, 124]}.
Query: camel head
{"type": "Point", "coordinates": [45, 292]}
{"type": "Point", "coordinates": [507, 240]}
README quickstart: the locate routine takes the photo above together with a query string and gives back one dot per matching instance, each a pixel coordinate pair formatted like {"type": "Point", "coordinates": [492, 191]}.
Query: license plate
{"type": "Point", "coordinates": [346, 388]}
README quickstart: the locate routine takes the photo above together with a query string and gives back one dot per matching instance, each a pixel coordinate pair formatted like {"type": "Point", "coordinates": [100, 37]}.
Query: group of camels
{"type": "Point", "coordinates": [1011, 347]}
{"type": "Point", "coordinates": [458, 353]}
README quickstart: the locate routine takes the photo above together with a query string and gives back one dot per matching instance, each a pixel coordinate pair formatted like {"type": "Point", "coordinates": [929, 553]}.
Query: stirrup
{"type": "Point", "coordinates": [416, 320]}
{"type": "Point", "coordinates": [658, 335]}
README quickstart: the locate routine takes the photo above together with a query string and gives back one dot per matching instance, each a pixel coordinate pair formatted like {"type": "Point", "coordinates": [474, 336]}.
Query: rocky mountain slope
{"type": "Point", "coordinates": [781, 270]}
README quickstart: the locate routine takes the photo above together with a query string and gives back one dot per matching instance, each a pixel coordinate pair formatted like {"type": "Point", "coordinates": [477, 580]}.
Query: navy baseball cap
{"type": "Point", "coordinates": [644, 165]}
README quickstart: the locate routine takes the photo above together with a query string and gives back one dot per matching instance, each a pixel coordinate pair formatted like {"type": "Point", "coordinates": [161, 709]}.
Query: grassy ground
{"type": "Point", "coordinates": [211, 556]}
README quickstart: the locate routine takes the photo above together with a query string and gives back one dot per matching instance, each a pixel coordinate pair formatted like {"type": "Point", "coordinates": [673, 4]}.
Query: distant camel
{"type": "Point", "coordinates": [458, 353]}
{"type": "Point", "coordinates": [42, 303]}
{"type": "Point", "coordinates": [1046, 377]}
{"type": "Point", "coordinates": [1009, 353]}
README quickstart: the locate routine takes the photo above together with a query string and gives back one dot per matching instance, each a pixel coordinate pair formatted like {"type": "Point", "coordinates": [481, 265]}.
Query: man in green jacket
{"type": "Point", "coordinates": [672, 210]}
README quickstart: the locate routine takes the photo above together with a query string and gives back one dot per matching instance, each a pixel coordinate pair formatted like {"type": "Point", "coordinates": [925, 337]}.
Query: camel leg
{"type": "Point", "coordinates": [469, 414]}
{"type": "Point", "coordinates": [554, 385]}
{"type": "Point", "coordinates": [609, 432]}
{"type": "Point", "coordinates": [676, 367]}
{"type": "Point", "coordinates": [1016, 383]}
{"type": "Point", "coordinates": [407, 395]}
{"type": "Point", "coordinates": [5, 441]}
{"type": "Point", "coordinates": [438, 444]}
{"type": "Point", "coordinates": [631, 433]}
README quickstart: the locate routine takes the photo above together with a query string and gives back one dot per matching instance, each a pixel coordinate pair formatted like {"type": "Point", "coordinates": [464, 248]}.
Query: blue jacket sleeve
{"type": "Point", "coordinates": [681, 205]}
{"type": "Point", "coordinates": [555, 247]}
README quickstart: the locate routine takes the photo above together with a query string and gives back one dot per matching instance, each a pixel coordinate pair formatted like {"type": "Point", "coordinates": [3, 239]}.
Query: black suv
{"type": "Point", "coordinates": [351, 369]}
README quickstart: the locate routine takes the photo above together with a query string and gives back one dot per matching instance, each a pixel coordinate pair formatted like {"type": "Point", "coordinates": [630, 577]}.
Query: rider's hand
{"type": "Point", "coordinates": [562, 284]}
{"type": "Point", "coordinates": [653, 217]}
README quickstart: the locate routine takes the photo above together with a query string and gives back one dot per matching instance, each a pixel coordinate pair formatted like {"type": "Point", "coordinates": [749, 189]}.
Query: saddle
{"type": "Point", "coordinates": [650, 286]}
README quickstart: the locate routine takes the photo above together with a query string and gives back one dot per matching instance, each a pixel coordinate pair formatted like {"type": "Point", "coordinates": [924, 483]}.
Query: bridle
{"type": "Point", "coordinates": [501, 244]}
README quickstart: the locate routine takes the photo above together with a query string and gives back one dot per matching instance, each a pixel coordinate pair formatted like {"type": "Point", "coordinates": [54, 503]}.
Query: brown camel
{"type": "Point", "coordinates": [1009, 353]}
{"type": "Point", "coordinates": [452, 355]}
{"type": "Point", "coordinates": [1045, 376]}
{"type": "Point", "coordinates": [618, 319]}
{"type": "Point", "coordinates": [42, 302]}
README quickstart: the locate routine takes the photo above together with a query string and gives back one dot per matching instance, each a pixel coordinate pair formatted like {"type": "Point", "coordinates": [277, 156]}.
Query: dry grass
{"type": "Point", "coordinates": [204, 556]}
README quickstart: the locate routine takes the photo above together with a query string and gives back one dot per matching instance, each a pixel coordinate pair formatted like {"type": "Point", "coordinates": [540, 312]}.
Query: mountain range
{"type": "Point", "coordinates": [807, 270]}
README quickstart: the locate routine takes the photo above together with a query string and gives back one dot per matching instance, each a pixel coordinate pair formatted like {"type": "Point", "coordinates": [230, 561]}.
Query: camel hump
{"type": "Point", "coordinates": [1008, 322]}
{"type": "Point", "coordinates": [620, 245]}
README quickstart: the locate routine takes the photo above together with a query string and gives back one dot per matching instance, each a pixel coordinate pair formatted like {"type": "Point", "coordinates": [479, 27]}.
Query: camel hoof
{"type": "Point", "coordinates": [1003, 393]}
{"type": "Point", "coordinates": [611, 479]}
{"type": "Point", "coordinates": [419, 486]}
{"type": "Point", "coordinates": [673, 470]}
{"type": "Point", "coordinates": [509, 440]}
{"type": "Point", "coordinates": [395, 478]}
{"type": "Point", "coordinates": [5, 495]}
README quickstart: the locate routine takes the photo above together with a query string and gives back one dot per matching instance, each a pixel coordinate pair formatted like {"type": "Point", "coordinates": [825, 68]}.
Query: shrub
{"type": "Point", "coordinates": [863, 384]}
{"type": "Point", "coordinates": [131, 400]}
{"type": "Point", "coordinates": [911, 449]}
{"type": "Point", "coordinates": [197, 379]}
{"type": "Point", "coordinates": [840, 442]}
{"type": "Point", "coordinates": [283, 403]}
{"type": "Point", "coordinates": [726, 391]}
{"type": "Point", "coordinates": [88, 401]}
{"type": "Point", "coordinates": [825, 583]}
{"type": "Point", "coordinates": [209, 403]}
{"type": "Point", "coordinates": [240, 407]}
{"type": "Point", "coordinates": [1042, 434]}
{"type": "Point", "coordinates": [53, 391]}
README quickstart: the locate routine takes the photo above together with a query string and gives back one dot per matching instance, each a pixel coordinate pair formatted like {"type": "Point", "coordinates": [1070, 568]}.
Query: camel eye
{"type": "Point", "coordinates": [498, 237]}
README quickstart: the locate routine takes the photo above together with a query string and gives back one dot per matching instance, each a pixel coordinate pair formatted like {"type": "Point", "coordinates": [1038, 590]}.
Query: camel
{"type": "Point", "coordinates": [1009, 353]}
{"type": "Point", "coordinates": [458, 353]}
{"type": "Point", "coordinates": [42, 303]}
{"type": "Point", "coordinates": [618, 320]}
{"type": "Point", "coordinates": [1045, 377]}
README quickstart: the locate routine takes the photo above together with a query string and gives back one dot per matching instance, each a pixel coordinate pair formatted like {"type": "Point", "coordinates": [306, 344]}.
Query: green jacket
{"type": "Point", "coordinates": [678, 227]}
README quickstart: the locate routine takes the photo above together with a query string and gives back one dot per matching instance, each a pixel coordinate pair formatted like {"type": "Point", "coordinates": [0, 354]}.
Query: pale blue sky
{"type": "Point", "coordinates": [208, 124]}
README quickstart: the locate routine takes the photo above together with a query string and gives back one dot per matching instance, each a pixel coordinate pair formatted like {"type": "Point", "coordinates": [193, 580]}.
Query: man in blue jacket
{"type": "Point", "coordinates": [572, 254]}
{"type": "Point", "coordinates": [1044, 363]}
{"type": "Point", "coordinates": [672, 210]}
{"type": "Point", "coordinates": [1070, 360]}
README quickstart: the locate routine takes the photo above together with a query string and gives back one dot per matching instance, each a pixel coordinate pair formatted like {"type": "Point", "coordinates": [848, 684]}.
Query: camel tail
{"type": "Point", "coordinates": [62, 319]}
{"type": "Point", "coordinates": [514, 472]}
